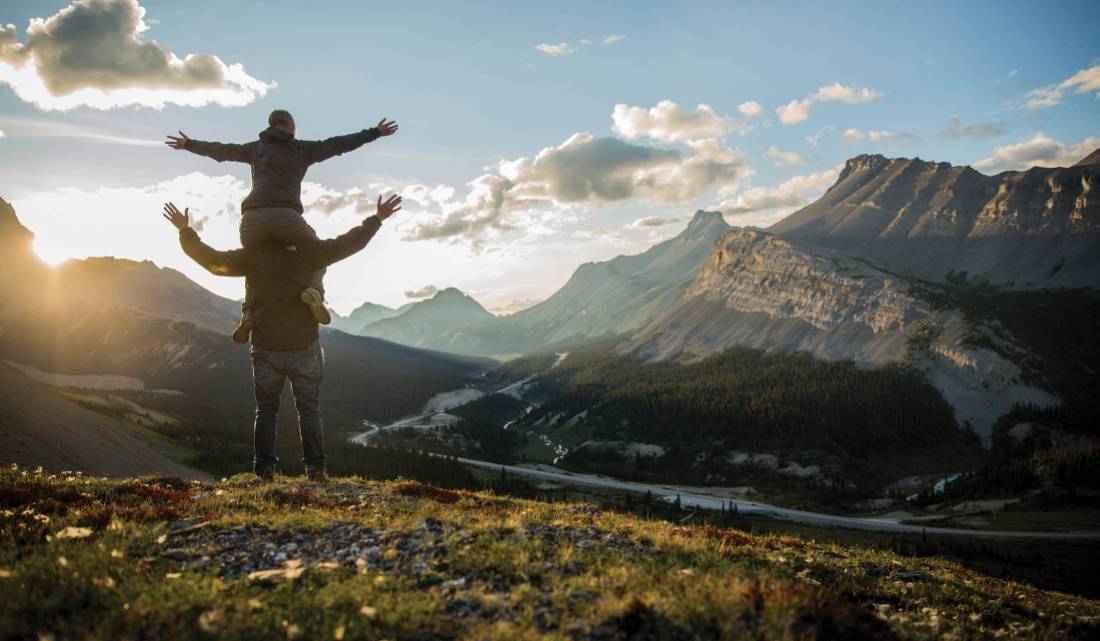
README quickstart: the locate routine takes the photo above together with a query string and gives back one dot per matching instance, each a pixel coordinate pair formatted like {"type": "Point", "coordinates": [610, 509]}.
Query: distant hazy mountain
{"type": "Point", "coordinates": [365, 314]}
{"type": "Point", "coordinates": [627, 292]}
{"type": "Point", "coordinates": [423, 324]}
{"type": "Point", "coordinates": [1023, 229]}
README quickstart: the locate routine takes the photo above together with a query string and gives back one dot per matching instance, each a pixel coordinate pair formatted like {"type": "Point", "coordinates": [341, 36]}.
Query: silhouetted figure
{"type": "Point", "coordinates": [272, 211]}
{"type": "Point", "coordinates": [285, 338]}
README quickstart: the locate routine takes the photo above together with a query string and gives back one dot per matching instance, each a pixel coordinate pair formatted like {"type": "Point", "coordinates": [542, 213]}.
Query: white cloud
{"type": "Point", "coordinates": [668, 122]}
{"type": "Point", "coordinates": [794, 111]}
{"type": "Point", "coordinates": [584, 171]}
{"type": "Point", "coordinates": [559, 49]}
{"type": "Point", "coordinates": [650, 222]}
{"type": "Point", "coordinates": [797, 111]}
{"type": "Point", "coordinates": [1084, 81]}
{"type": "Point", "coordinates": [612, 39]}
{"type": "Point", "coordinates": [978, 130]}
{"type": "Point", "coordinates": [785, 158]}
{"type": "Point", "coordinates": [1038, 151]}
{"type": "Point", "coordinates": [2, 134]}
{"type": "Point", "coordinates": [426, 291]}
{"type": "Point", "coordinates": [772, 203]}
{"type": "Point", "coordinates": [92, 53]}
{"type": "Point", "coordinates": [879, 137]}
{"type": "Point", "coordinates": [750, 109]}
{"type": "Point", "coordinates": [852, 135]}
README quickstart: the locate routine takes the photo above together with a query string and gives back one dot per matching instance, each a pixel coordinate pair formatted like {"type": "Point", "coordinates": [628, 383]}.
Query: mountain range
{"type": "Point", "coordinates": [935, 221]}
{"type": "Point", "coordinates": [607, 298]}
{"type": "Point", "coordinates": [852, 276]}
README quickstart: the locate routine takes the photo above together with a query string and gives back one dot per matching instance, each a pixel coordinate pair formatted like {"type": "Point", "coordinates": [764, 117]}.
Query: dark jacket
{"type": "Point", "coordinates": [278, 274]}
{"type": "Point", "coordinates": [279, 162]}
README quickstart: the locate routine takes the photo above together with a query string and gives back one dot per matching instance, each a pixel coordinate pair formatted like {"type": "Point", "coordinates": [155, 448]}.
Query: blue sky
{"type": "Point", "coordinates": [469, 90]}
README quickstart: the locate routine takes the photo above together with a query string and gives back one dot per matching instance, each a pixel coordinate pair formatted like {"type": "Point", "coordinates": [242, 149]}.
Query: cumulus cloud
{"type": "Point", "coordinates": [426, 291]}
{"type": "Point", "coordinates": [794, 111]}
{"type": "Point", "coordinates": [92, 53]}
{"type": "Point", "coordinates": [1038, 151]}
{"type": "Point", "coordinates": [584, 170]}
{"type": "Point", "coordinates": [1084, 81]}
{"type": "Point", "coordinates": [797, 111]}
{"type": "Point", "coordinates": [612, 39]}
{"type": "Point", "coordinates": [785, 197]}
{"type": "Point", "coordinates": [750, 109]}
{"type": "Point", "coordinates": [652, 221]}
{"type": "Point", "coordinates": [559, 49]}
{"type": "Point", "coordinates": [785, 158]}
{"type": "Point", "coordinates": [879, 137]}
{"type": "Point", "coordinates": [978, 130]}
{"type": "Point", "coordinates": [668, 122]}
{"type": "Point", "coordinates": [2, 134]}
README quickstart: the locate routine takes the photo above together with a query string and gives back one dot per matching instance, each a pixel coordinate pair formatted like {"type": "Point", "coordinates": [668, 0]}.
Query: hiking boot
{"type": "Point", "coordinates": [316, 302]}
{"type": "Point", "coordinates": [317, 476]}
{"type": "Point", "coordinates": [266, 476]}
{"type": "Point", "coordinates": [243, 331]}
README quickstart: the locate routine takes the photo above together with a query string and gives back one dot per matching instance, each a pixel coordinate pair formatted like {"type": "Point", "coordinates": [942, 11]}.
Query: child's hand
{"type": "Point", "coordinates": [388, 208]}
{"type": "Point", "coordinates": [181, 142]}
{"type": "Point", "coordinates": [180, 220]}
{"type": "Point", "coordinates": [384, 128]}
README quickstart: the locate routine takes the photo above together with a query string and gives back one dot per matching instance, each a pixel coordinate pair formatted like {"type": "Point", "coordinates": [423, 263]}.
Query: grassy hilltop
{"type": "Point", "coordinates": [93, 558]}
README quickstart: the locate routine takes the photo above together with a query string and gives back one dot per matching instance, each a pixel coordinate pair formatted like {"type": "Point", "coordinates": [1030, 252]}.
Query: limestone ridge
{"type": "Point", "coordinates": [1022, 229]}
{"type": "Point", "coordinates": [764, 291]}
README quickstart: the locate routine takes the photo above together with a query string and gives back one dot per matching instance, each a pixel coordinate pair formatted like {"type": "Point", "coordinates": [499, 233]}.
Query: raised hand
{"type": "Point", "coordinates": [181, 142]}
{"type": "Point", "coordinates": [384, 128]}
{"type": "Point", "coordinates": [388, 208]}
{"type": "Point", "coordinates": [180, 220]}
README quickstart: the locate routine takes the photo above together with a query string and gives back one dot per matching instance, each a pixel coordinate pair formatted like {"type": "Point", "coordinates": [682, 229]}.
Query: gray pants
{"type": "Point", "coordinates": [275, 224]}
{"type": "Point", "coordinates": [306, 370]}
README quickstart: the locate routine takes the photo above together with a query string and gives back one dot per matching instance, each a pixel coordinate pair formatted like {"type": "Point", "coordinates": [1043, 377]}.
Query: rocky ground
{"type": "Point", "coordinates": [168, 559]}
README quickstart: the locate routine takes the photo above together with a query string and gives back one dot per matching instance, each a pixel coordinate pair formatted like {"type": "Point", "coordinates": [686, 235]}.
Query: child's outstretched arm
{"type": "Point", "coordinates": [320, 150]}
{"type": "Point", "coordinates": [220, 152]}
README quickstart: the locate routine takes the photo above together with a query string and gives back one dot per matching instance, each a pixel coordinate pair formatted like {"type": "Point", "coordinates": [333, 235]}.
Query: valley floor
{"type": "Point", "coordinates": [169, 559]}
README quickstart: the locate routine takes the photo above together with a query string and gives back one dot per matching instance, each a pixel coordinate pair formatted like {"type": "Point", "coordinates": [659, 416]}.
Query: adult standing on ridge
{"type": "Point", "coordinates": [285, 345]}
{"type": "Point", "coordinates": [272, 211]}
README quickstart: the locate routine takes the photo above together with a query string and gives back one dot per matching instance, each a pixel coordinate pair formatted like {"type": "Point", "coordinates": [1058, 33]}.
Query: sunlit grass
{"type": "Point", "coordinates": [162, 558]}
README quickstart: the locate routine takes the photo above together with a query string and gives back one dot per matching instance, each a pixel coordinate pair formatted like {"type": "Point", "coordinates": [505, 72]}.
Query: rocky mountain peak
{"type": "Point", "coordinates": [13, 234]}
{"type": "Point", "coordinates": [1091, 159]}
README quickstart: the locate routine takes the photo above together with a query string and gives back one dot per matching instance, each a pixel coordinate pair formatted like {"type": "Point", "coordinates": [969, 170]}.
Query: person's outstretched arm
{"type": "Point", "coordinates": [219, 263]}
{"type": "Point", "coordinates": [336, 249]}
{"type": "Point", "coordinates": [219, 151]}
{"type": "Point", "coordinates": [319, 150]}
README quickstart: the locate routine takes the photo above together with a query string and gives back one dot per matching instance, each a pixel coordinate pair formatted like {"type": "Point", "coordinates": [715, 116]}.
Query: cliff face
{"type": "Point", "coordinates": [1024, 229]}
{"type": "Point", "coordinates": [763, 291]}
